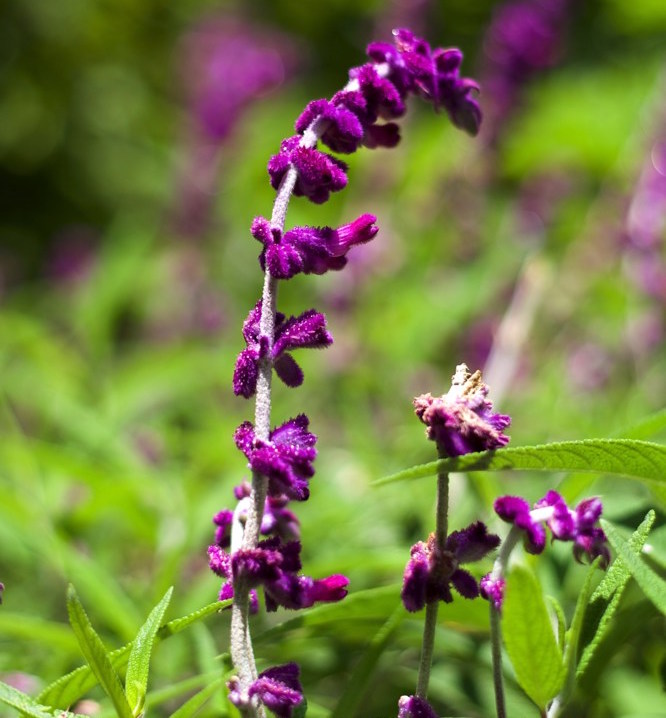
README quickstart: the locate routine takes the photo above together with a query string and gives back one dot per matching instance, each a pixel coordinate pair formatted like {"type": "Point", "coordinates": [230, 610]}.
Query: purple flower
{"type": "Point", "coordinates": [339, 127]}
{"type": "Point", "coordinates": [461, 421]}
{"type": "Point", "coordinates": [431, 571]}
{"type": "Point", "coordinates": [415, 707]}
{"type": "Point", "coordinates": [274, 566]}
{"type": "Point", "coordinates": [285, 459]}
{"type": "Point", "coordinates": [492, 589]}
{"type": "Point", "coordinates": [2, 588]}
{"type": "Point", "coordinates": [308, 330]}
{"type": "Point", "coordinates": [277, 688]}
{"type": "Point", "coordinates": [319, 174]}
{"type": "Point", "coordinates": [578, 525]}
{"type": "Point", "coordinates": [310, 250]}
{"type": "Point", "coordinates": [515, 510]}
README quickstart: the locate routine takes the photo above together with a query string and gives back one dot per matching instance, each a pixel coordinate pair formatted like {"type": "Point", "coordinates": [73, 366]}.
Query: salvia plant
{"type": "Point", "coordinates": [256, 548]}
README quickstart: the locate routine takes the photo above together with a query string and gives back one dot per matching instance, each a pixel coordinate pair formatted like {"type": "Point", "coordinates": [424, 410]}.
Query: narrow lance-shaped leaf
{"type": "Point", "coordinates": [637, 459]}
{"type": "Point", "coordinates": [529, 638]}
{"type": "Point", "coordinates": [136, 678]}
{"type": "Point", "coordinates": [573, 634]}
{"type": "Point", "coordinates": [96, 654]}
{"type": "Point", "coordinates": [69, 688]}
{"type": "Point", "coordinates": [652, 585]}
{"type": "Point", "coordinates": [25, 705]}
{"type": "Point", "coordinates": [611, 589]}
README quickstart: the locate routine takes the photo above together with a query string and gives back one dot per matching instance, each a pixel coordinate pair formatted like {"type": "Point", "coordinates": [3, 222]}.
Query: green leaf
{"type": "Point", "coordinates": [574, 633]}
{"type": "Point", "coordinates": [626, 457]}
{"type": "Point", "coordinates": [561, 621]}
{"type": "Point", "coordinates": [191, 706]}
{"type": "Point", "coordinates": [610, 590]}
{"type": "Point", "coordinates": [136, 679]}
{"type": "Point", "coordinates": [646, 427]}
{"type": "Point", "coordinates": [357, 686]}
{"type": "Point", "coordinates": [96, 654]}
{"type": "Point", "coordinates": [71, 687]}
{"type": "Point", "coordinates": [652, 585]}
{"type": "Point", "coordinates": [47, 633]}
{"type": "Point", "coordinates": [27, 706]}
{"type": "Point", "coordinates": [529, 638]}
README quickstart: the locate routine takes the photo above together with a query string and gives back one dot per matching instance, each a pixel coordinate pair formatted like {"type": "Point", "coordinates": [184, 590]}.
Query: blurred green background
{"type": "Point", "coordinates": [127, 268]}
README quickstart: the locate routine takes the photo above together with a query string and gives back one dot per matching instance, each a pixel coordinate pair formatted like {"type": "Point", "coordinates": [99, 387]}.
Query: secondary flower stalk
{"type": "Point", "coordinates": [459, 422]}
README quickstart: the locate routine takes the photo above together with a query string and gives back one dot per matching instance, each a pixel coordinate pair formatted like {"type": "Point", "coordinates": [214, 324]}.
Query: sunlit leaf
{"type": "Point", "coordinates": [136, 678]}
{"type": "Point", "coordinates": [529, 638]}
{"type": "Point", "coordinates": [636, 459]}
{"type": "Point", "coordinates": [96, 654]}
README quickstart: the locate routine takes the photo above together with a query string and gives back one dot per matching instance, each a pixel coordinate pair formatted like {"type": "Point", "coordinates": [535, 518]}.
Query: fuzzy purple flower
{"type": "Point", "coordinates": [319, 173]}
{"type": "Point", "coordinates": [274, 566]}
{"type": "Point", "coordinates": [461, 421]}
{"type": "Point", "coordinates": [431, 571]}
{"type": "Point", "coordinates": [278, 688]}
{"type": "Point", "coordinates": [310, 250]}
{"type": "Point", "coordinates": [415, 707]}
{"type": "Point", "coordinates": [308, 330]}
{"type": "Point", "coordinates": [285, 459]}
{"type": "Point", "coordinates": [579, 525]}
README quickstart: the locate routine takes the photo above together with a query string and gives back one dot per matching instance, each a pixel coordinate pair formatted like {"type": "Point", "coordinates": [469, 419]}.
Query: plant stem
{"type": "Point", "coordinates": [430, 624]}
{"type": "Point", "coordinates": [499, 570]}
{"type": "Point", "coordinates": [496, 644]}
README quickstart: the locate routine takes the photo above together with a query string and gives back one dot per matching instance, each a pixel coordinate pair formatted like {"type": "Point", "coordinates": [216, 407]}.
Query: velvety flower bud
{"type": "Point", "coordinates": [285, 459]}
{"type": "Point", "coordinates": [306, 331]}
{"type": "Point", "coordinates": [492, 590]}
{"type": "Point", "coordinates": [310, 250]}
{"type": "Point", "coordinates": [339, 128]}
{"type": "Point", "coordinates": [431, 571]}
{"type": "Point", "coordinates": [515, 510]}
{"type": "Point", "coordinates": [415, 707]}
{"type": "Point", "coordinates": [319, 174]}
{"type": "Point", "coordinates": [277, 688]}
{"type": "Point", "coordinates": [461, 421]}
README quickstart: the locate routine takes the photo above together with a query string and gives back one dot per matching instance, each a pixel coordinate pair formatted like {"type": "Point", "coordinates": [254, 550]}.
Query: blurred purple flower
{"type": "Point", "coordinates": [461, 421]}
{"type": "Point", "coordinates": [431, 571]}
{"type": "Point", "coordinates": [525, 38]}
{"type": "Point", "coordinates": [227, 64]}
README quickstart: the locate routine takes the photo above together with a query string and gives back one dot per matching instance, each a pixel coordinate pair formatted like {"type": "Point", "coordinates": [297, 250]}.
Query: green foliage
{"type": "Point", "coordinates": [138, 663]}
{"type": "Point", "coordinates": [116, 412]}
{"type": "Point", "coordinates": [652, 585]}
{"type": "Point", "coordinates": [529, 638]}
{"type": "Point", "coordinates": [608, 593]}
{"type": "Point", "coordinates": [96, 655]}
{"type": "Point", "coordinates": [636, 459]}
{"type": "Point", "coordinates": [23, 703]}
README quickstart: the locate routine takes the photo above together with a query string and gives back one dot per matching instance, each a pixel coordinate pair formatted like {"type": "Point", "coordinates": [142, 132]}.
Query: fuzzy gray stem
{"type": "Point", "coordinates": [241, 643]}
{"type": "Point", "coordinates": [430, 624]}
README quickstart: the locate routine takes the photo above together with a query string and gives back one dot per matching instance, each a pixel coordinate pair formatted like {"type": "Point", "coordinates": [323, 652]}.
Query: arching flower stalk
{"type": "Point", "coordinates": [281, 459]}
